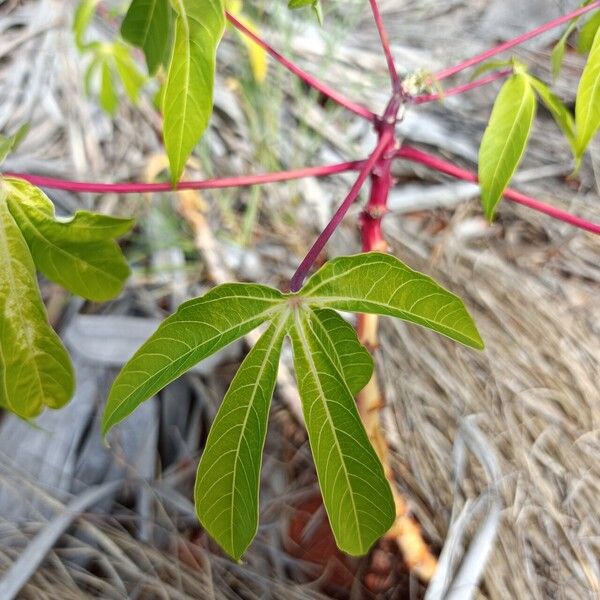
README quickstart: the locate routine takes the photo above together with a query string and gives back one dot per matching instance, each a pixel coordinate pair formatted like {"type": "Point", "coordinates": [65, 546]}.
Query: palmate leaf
{"type": "Point", "coordinates": [381, 284]}
{"type": "Point", "coordinates": [505, 139]}
{"type": "Point", "coordinates": [199, 328]}
{"type": "Point", "coordinates": [356, 494]}
{"type": "Point", "coordinates": [188, 94]}
{"type": "Point", "coordinates": [147, 25]}
{"type": "Point", "coordinates": [80, 253]}
{"type": "Point", "coordinates": [228, 479]}
{"type": "Point", "coordinates": [587, 104]}
{"type": "Point", "coordinates": [331, 367]}
{"type": "Point", "coordinates": [35, 369]}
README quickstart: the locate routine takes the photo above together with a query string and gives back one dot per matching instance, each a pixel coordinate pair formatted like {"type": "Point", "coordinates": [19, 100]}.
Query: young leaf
{"type": "Point", "coordinates": [587, 104]}
{"type": "Point", "coordinates": [10, 143]}
{"type": "Point", "coordinates": [562, 115]}
{"type": "Point", "coordinates": [79, 253]}
{"type": "Point", "coordinates": [35, 369]}
{"type": "Point", "coordinates": [356, 494]}
{"type": "Point", "coordinates": [588, 31]}
{"type": "Point", "coordinates": [147, 25]}
{"type": "Point", "coordinates": [505, 139]}
{"type": "Point", "coordinates": [199, 328]}
{"type": "Point", "coordinates": [228, 479]}
{"type": "Point", "coordinates": [131, 78]}
{"type": "Point", "coordinates": [109, 100]}
{"type": "Point", "coordinates": [83, 16]}
{"type": "Point", "coordinates": [187, 101]}
{"type": "Point", "coordinates": [558, 52]}
{"type": "Point", "coordinates": [381, 284]}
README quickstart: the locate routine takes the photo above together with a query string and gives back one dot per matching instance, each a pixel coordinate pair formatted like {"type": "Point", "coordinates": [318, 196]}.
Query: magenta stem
{"type": "Point", "coordinates": [205, 184]}
{"type": "Point", "coordinates": [298, 278]}
{"type": "Point", "coordinates": [385, 44]}
{"type": "Point", "coordinates": [461, 89]}
{"type": "Point", "coordinates": [306, 77]}
{"type": "Point", "coordinates": [414, 155]}
{"type": "Point", "coordinates": [515, 41]}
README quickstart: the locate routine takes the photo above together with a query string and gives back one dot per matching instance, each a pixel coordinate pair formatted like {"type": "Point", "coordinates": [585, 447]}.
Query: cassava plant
{"type": "Point", "coordinates": [334, 369]}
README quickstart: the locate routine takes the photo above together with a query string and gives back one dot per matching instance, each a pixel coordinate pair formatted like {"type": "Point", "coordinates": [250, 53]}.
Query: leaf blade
{"type": "Point", "coordinates": [381, 284]}
{"type": "Point", "coordinates": [505, 139]}
{"type": "Point", "coordinates": [187, 99]}
{"type": "Point", "coordinates": [587, 103]}
{"type": "Point", "coordinates": [199, 328]}
{"type": "Point", "coordinates": [78, 253]}
{"type": "Point", "coordinates": [147, 25]}
{"type": "Point", "coordinates": [35, 369]}
{"type": "Point", "coordinates": [361, 508]}
{"type": "Point", "coordinates": [235, 445]}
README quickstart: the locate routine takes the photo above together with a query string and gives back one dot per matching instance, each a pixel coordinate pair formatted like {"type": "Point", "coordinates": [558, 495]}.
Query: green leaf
{"type": "Point", "coordinates": [188, 95]}
{"type": "Point", "coordinates": [131, 78]}
{"type": "Point", "coordinates": [561, 114]}
{"type": "Point", "coordinates": [147, 25]}
{"type": "Point", "coordinates": [228, 479]}
{"type": "Point", "coordinates": [35, 369]}
{"type": "Point", "coordinates": [587, 104]}
{"type": "Point", "coordinates": [587, 33]}
{"type": "Point", "coordinates": [356, 494]}
{"type": "Point", "coordinates": [382, 284]}
{"type": "Point", "coordinates": [491, 65]}
{"type": "Point", "coordinates": [505, 139]}
{"type": "Point", "coordinates": [78, 253]}
{"type": "Point", "coordinates": [198, 329]}
{"type": "Point", "coordinates": [109, 100]}
{"type": "Point", "coordinates": [83, 16]}
{"type": "Point", "coordinates": [558, 52]}
{"type": "Point", "coordinates": [11, 142]}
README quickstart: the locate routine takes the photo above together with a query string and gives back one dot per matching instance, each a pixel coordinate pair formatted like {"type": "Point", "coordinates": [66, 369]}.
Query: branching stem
{"type": "Point", "coordinates": [306, 77]}
{"type": "Point", "coordinates": [385, 44]}
{"type": "Point", "coordinates": [515, 41]}
{"type": "Point", "coordinates": [418, 156]}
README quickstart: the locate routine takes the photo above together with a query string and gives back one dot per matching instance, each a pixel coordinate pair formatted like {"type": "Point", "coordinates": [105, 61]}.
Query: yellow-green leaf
{"type": "Point", "coordinates": [228, 479]}
{"type": "Point", "coordinates": [35, 369]}
{"type": "Point", "coordinates": [505, 139]}
{"type": "Point", "coordinates": [380, 283]}
{"type": "Point", "coordinates": [587, 104]}
{"type": "Point", "coordinates": [356, 494]}
{"type": "Point", "coordinates": [79, 253]}
{"type": "Point", "coordinates": [188, 95]}
{"type": "Point", "coordinates": [199, 328]}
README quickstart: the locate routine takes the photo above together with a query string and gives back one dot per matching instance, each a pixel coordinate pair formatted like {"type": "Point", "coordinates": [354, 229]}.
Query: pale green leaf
{"type": "Point", "coordinates": [109, 100]}
{"type": "Point", "coordinates": [228, 479]}
{"type": "Point", "coordinates": [356, 494]}
{"type": "Point", "coordinates": [561, 114]}
{"type": "Point", "coordinates": [587, 104]}
{"type": "Point", "coordinates": [147, 25]}
{"type": "Point", "coordinates": [379, 283]}
{"type": "Point", "coordinates": [558, 52]}
{"type": "Point", "coordinates": [83, 16]}
{"type": "Point", "coordinates": [35, 369]}
{"type": "Point", "coordinates": [131, 78]}
{"type": "Point", "coordinates": [490, 65]}
{"type": "Point", "coordinates": [505, 139]}
{"type": "Point", "coordinates": [9, 143]}
{"type": "Point", "coordinates": [588, 31]}
{"type": "Point", "coordinates": [199, 328]}
{"type": "Point", "coordinates": [80, 253]}
{"type": "Point", "coordinates": [188, 96]}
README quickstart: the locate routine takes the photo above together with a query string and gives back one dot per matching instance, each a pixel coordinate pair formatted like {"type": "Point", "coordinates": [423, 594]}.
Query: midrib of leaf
{"type": "Point", "coordinates": [412, 317]}
{"type": "Point", "coordinates": [282, 322]}
{"type": "Point", "coordinates": [69, 256]}
{"type": "Point", "coordinates": [148, 22]}
{"type": "Point", "coordinates": [182, 14]}
{"type": "Point", "coordinates": [315, 374]}
{"type": "Point", "coordinates": [11, 279]}
{"type": "Point", "coordinates": [157, 374]}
